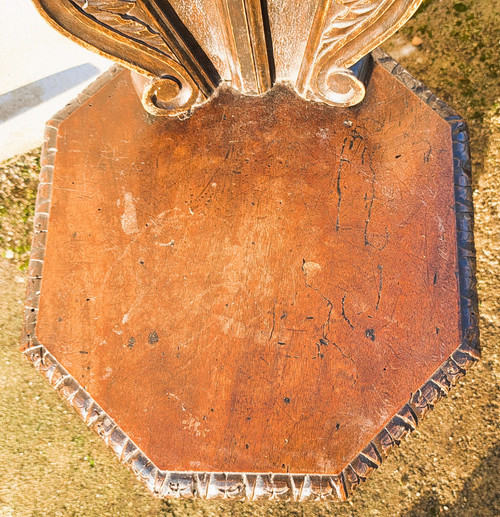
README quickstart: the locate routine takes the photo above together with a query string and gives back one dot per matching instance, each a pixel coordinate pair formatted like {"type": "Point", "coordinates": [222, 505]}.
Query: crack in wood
{"type": "Point", "coordinates": [326, 325]}
{"type": "Point", "coordinates": [274, 321]}
{"type": "Point", "coordinates": [339, 190]}
{"type": "Point", "coordinates": [369, 216]}
{"type": "Point", "coordinates": [343, 312]}
{"type": "Point", "coordinates": [380, 267]}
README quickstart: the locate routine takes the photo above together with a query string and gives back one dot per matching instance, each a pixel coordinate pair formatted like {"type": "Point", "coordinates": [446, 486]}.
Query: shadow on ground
{"type": "Point", "coordinates": [26, 97]}
{"type": "Point", "coordinates": [479, 491]}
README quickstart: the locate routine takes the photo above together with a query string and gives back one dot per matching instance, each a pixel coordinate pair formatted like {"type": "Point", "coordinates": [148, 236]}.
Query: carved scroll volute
{"type": "Point", "coordinates": [344, 31]}
{"type": "Point", "coordinates": [138, 35]}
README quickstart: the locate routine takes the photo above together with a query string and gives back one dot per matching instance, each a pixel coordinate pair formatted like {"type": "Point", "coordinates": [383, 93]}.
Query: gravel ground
{"type": "Point", "coordinates": [53, 465]}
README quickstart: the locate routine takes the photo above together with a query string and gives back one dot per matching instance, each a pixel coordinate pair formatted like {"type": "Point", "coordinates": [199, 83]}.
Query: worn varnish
{"type": "Point", "coordinates": [259, 287]}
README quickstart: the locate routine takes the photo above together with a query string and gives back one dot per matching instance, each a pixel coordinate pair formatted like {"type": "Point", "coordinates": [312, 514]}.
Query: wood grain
{"type": "Point", "coordinates": [261, 287]}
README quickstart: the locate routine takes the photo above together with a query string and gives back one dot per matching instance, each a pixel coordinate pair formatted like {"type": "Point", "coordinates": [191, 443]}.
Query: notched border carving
{"type": "Point", "coordinates": [261, 486]}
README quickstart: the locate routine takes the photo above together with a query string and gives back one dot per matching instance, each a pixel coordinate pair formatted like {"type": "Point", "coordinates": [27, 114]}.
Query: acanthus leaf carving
{"type": "Point", "coordinates": [127, 18]}
{"type": "Point", "coordinates": [149, 37]}
{"type": "Point", "coordinates": [343, 32]}
{"type": "Point", "coordinates": [125, 31]}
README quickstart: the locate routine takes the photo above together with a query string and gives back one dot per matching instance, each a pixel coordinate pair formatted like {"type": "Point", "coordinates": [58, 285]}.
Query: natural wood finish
{"type": "Point", "coordinates": [257, 288]}
{"type": "Point", "coordinates": [184, 48]}
{"type": "Point", "coordinates": [290, 486]}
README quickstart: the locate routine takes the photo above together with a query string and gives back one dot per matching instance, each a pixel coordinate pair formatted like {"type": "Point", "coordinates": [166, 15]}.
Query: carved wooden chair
{"type": "Point", "coordinates": [259, 295]}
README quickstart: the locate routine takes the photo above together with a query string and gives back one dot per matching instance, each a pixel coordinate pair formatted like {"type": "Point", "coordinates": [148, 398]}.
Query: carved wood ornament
{"type": "Point", "coordinates": [288, 288]}
{"type": "Point", "coordinates": [342, 401]}
{"type": "Point", "coordinates": [181, 50]}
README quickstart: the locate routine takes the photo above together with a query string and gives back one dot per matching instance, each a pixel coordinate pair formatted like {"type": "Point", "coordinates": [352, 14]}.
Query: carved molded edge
{"type": "Point", "coordinates": [266, 486]}
{"type": "Point", "coordinates": [468, 353]}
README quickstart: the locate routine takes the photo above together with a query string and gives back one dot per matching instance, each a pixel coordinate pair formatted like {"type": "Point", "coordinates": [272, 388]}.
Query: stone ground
{"type": "Point", "coordinates": [51, 464]}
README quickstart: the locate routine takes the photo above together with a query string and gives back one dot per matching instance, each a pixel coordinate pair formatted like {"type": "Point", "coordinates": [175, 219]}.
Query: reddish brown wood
{"type": "Point", "coordinates": [260, 287]}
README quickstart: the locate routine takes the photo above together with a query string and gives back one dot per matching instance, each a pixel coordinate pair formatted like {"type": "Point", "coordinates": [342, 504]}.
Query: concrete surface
{"type": "Point", "coordinates": [41, 72]}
